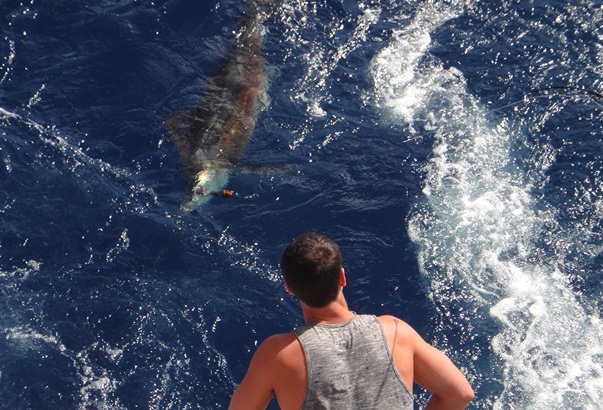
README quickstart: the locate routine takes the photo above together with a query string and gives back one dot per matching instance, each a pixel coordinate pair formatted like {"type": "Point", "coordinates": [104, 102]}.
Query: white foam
{"type": "Point", "coordinates": [18, 275]}
{"type": "Point", "coordinates": [478, 233]}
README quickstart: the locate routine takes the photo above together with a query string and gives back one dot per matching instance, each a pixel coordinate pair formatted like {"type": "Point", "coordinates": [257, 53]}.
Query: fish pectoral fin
{"type": "Point", "coordinates": [264, 99]}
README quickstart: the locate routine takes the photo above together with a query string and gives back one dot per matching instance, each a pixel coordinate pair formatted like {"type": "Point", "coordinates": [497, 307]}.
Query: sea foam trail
{"type": "Point", "coordinates": [478, 230]}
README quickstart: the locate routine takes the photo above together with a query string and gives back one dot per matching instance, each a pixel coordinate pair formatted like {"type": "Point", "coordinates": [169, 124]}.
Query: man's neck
{"type": "Point", "coordinates": [335, 312]}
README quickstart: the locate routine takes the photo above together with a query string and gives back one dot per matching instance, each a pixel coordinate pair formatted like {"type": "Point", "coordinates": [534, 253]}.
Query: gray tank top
{"type": "Point", "coordinates": [350, 367]}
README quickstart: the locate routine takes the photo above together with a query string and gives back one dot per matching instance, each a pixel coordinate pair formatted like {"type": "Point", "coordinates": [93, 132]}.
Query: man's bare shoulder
{"type": "Point", "coordinates": [388, 321]}
{"type": "Point", "coordinates": [396, 326]}
{"type": "Point", "coordinates": [283, 358]}
{"type": "Point", "coordinates": [278, 345]}
{"type": "Point", "coordinates": [272, 363]}
{"type": "Point", "coordinates": [279, 340]}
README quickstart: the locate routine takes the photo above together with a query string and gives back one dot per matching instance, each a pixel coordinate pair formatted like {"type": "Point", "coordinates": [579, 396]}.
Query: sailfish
{"type": "Point", "coordinates": [210, 138]}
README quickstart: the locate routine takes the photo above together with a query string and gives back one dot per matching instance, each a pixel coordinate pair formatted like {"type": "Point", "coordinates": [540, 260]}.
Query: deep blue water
{"type": "Point", "coordinates": [427, 137]}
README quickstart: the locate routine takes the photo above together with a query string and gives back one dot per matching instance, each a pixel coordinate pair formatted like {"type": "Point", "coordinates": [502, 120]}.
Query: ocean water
{"type": "Point", "coordinates": [453, 148]}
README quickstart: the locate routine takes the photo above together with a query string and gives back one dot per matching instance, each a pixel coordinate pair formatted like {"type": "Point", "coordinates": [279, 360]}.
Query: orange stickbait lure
{"type": "Point", "coordinates": [223, 193]}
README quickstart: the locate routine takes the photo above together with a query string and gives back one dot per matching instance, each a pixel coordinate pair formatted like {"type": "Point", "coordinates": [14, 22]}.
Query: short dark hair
{"type": "Point", "coordinates": [311, 265]}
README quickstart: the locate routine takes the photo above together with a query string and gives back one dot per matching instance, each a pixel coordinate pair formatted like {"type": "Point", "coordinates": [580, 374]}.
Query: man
{"type": "Point", "coordinates": [340, 360]}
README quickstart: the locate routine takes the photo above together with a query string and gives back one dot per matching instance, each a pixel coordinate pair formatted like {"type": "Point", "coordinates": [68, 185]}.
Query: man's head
{"type": "Point", "coordinates": [311, 265]}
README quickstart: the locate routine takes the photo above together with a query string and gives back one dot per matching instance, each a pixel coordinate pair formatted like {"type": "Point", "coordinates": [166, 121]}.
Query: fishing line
{"type": "Point", "coordinates": [533, 94]}
{"type": "Point", "coordinates": [568, 87]}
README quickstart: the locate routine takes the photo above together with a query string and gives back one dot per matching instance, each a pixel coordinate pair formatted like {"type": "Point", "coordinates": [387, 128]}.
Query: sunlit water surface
{"type": "Point", "coordinates": [453, 148]}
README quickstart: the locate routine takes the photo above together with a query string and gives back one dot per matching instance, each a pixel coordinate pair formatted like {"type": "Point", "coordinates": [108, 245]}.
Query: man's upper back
{"type": "Point", "coordinates": [349, 365]}
{"type": "Point", "coordinates": [284, 363]}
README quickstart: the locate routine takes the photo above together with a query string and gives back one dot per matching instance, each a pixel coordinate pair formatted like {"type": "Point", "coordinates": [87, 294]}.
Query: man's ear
{"type": "Point", "coordinates": [287, 288]}
{"type": "Point", "coordinates": [342, 280]}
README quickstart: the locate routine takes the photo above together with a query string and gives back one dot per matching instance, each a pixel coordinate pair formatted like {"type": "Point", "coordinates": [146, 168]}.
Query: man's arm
{"type": "Point", "coordinates": [255, 391]}
{"type": "Point", "coordinates": [435, 372]}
